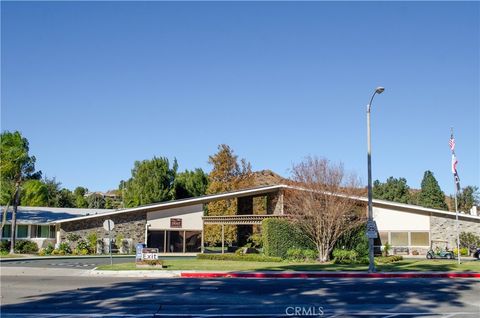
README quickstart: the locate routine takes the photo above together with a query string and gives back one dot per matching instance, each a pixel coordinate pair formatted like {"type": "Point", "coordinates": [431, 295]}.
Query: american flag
{"type": "Point", "coordinates": [454, 162]}
{"type": "Point", "coordinates": [452, 143]}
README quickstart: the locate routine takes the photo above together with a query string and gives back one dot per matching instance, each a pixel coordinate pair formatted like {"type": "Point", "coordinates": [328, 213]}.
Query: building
{"type": "Point", "coordinates": [178, 226]}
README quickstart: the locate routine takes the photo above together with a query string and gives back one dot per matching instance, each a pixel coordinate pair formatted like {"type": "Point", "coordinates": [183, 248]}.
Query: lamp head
{"type": "Point", "coordinates": [379, 90]}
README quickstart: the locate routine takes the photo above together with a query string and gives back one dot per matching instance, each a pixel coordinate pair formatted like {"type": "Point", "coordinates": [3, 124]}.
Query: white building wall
{"type": "Point", "coordinates": [191, 218]}
{"type": "Point", "coordinates": [394, 220]}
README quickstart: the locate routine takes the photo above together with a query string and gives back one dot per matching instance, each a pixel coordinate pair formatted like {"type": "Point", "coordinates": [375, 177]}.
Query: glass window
{"type": "Point", "coordinates": [156, 239]}
{"type": "Point", "coordinates": [381, 239]}
{"type": "Point", "coordinates": [22, 231]}
{"type": "Point", "coordinates": [33, 231]}
{"type": "Point", "coordinates": [193, 240]}
{"type": "Point", "coordinates": [175, 241]}
{"type": "Point", "coordinates": [43, 231]}
{"type": "Point", "coordinates": [52, 231]}
{"type": "Point", "coordinates": [420, 239]}
{"type": "Point", "coordinates": [399, 238]}
{"type": "Point", "coordinates": [6, 231]}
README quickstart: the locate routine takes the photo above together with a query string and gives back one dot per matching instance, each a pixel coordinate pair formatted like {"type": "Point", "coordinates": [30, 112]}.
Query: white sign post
{"type": "Point", "coordinates": [108, 225]}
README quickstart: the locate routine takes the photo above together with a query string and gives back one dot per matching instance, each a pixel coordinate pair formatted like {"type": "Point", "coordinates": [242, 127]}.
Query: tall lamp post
{"type": "Point", "coordinates": [370, 225]}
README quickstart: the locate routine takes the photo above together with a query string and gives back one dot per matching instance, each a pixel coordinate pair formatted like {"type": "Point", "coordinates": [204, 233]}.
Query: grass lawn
{"type": "Point", "coordinates": [11, 255]}
{"type": "Point", "coordinates": [212, 265]}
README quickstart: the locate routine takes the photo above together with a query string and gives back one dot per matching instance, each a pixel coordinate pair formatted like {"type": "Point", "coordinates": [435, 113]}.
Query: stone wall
{"type": "Point", "coordinates": [444, 228]}
{"type": "Point", "coordinates": [129, 225]}
{"type": "Point", "coordinates": [275, 203]}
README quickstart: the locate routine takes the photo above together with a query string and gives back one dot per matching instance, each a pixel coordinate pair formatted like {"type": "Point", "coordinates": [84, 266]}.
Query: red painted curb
{"type": "Point", "coordinates": [330, 275]}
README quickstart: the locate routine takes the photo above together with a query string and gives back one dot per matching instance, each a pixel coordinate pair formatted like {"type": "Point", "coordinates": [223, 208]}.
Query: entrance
{"type": "Point", "coordinates": [175, 241]}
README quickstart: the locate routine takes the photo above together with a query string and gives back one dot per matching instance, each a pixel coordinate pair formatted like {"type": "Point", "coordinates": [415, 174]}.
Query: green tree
{"type": "Point", "coordinates": [393, 189]}
{"type": "Point", "coordinates": [65, 199]}
{"type": "Point", "coordinates": [16, 166]}
{"type": "Point", "coordinates": [227, 175]}
{"type": "Point", "coordinates": [467, 198]}
{"type": "Point", "coordinates": [151, 181]}
{"type": "Point", "coordinates": [430, 195]}
{"type": "Point", "coordinates": [34, 193]}
{"type": "Point", "coordinates": [79, 195]}
{"type": "Point", "coordinates": [96, 201]}
{"type": "Point", "coordinates": [190, 184]}
{"type": "Point", "coordinates": [53, 190]}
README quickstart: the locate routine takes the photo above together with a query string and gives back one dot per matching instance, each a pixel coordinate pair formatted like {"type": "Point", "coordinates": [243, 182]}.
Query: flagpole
{"type": "Point", "coordinates": [456, 223]}
{"type": "Point", "coordinates": [456, 185]}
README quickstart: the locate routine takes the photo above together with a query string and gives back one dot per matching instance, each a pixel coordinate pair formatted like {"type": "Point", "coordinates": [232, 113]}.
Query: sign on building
{"type": "Point", "coordinates": [175, 223]}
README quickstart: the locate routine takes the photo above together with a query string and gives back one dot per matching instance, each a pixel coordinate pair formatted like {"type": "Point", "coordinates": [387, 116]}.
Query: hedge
{"type": "Point", "coordinates": [354, 239]}
{"type": "Point", "coordinates": [280, 235]}
{"type": "Point", "coordinates": [236, 257]}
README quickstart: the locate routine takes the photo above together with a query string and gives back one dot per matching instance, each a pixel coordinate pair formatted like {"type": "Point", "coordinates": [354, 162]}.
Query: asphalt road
{"type": "Point", "coordinates": [85, 296]}
{"type": "Point", "coordinates": [80, 263]}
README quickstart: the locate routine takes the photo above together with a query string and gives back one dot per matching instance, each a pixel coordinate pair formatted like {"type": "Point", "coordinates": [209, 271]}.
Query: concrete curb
{"type": "Point", "coordinates": [35, 258]}
{"type": "Point", "coordinates": [136, 273]}
{"type": "Point", "coordinates": [329, 275]}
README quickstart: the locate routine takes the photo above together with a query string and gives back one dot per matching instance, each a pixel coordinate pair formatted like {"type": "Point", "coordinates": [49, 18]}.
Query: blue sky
{"type": "Point", "coordinates": [95, 86]}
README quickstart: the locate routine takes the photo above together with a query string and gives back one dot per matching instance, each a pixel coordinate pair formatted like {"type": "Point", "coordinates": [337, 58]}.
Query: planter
{"type": "Point", "coordinates": [150, 266]}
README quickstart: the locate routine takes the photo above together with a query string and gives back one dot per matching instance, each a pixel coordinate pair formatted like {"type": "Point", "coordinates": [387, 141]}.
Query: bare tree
{"type": "Point", "coordinates": [323, 202]}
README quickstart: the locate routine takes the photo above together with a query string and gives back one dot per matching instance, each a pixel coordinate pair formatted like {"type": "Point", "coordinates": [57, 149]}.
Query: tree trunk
{"type": "Point", "coordinates": [14, 219]}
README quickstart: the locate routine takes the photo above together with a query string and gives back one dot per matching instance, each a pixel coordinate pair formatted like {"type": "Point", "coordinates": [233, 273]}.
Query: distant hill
{"type": "Point", "coordinates": [267, 177]}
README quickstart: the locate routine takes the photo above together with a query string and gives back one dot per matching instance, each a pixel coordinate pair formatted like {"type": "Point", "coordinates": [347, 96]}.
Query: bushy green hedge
{"type": "Point", "coordinates": [388, 259]}
{"type": "Point", "coordinates": [354, 239]}
{"type": "Point", "coordinates": [4, 246]}
{"type": "Point", "coordinates": [235, 257]}
{"type": "Point", "coordinates": [299, 255]}
{"type": "Point", "coordinates": [348, 257]}
{"type": "Point", "coordinates": [280, 235]}
{"type": "Point", "coordinates": [26, 247]}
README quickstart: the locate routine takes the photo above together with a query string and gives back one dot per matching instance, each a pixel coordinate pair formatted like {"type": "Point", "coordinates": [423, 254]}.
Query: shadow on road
{"type": "Point", "coordinates": [170, 296]}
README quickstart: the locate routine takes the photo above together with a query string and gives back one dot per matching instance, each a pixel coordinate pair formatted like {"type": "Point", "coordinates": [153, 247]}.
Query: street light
{"type": "Point", "coordinates": [370, 225]}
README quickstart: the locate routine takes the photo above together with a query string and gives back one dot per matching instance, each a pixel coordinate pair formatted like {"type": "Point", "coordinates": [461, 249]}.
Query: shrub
{"type": "Point", "coordinates": [297, 254]}
{"type": "Point", "coordinates": [64, 248]}
{"type": "Point", "coordinates": [469, 240]}
{"type": "Point", "coordinates": [386, 249]}
{"type": "Point", "coordinates": [49, 249]}
{"type": "Point", "coordinates": [26, 247]}
{"type": "Point", "coordinates": [354, 239]}
{"type": "Point", "coordinates": [82, 245]}
{"type": "Point", "coordinates": [344, 256]}
{"type": "Point", "coordinates": [72, 237]}
{"type": "Point", "coordinates": [5, 246]}
{"type": "Point", "coordinates": [388, 259]}
{"type": "Point", "coordinates": [234, 257]}
{"type": "Point", "coordinates": [463, 251]}
{"type": "Point", "coordinates": [280, 235]}
{"type": "Point", "coordinates": [255, 240]}
{"type": "Point", "coordinates": [92, 242]}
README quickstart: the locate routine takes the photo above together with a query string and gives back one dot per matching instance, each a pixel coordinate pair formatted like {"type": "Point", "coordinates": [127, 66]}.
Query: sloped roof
{"type": "Point", "coordinates": [45, 215]}
{"type": "Point", "coordinates": [190, 201]}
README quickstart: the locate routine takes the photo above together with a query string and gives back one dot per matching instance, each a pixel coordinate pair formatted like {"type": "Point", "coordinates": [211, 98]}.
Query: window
{"type": "Point", "coordinates": [6, 231]}
{"type": "Point", "coordinates": [381, 239]}
{"type": "Point", "coordinates": [52, 231]}
{"type": "Point", "coordinates": [43, 231]}
{"type": "Point", "coordinates": [399, 238]}
{"type": "Point", "coordinates": [419, 239]}
{"type": "Point", "coordinates": [193, 241]}
{"type": "Point", "coordinates": [22, 231]}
